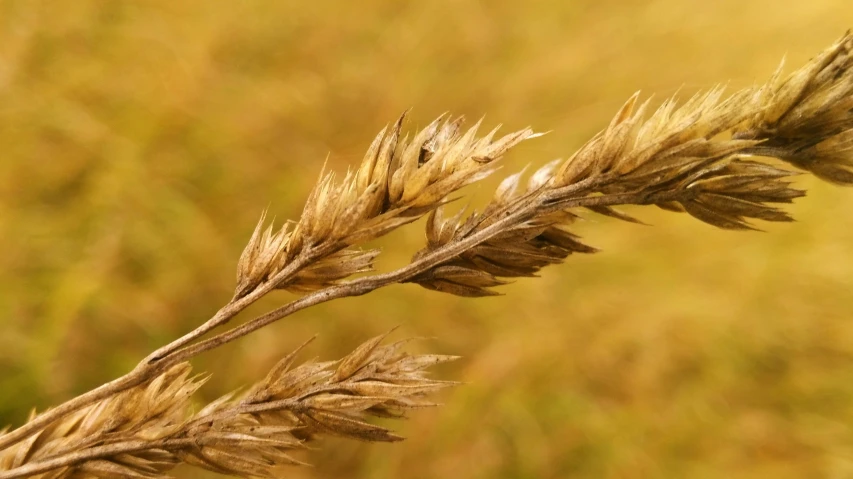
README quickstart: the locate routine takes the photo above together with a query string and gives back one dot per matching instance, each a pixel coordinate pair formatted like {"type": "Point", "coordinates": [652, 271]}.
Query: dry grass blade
{"type": "Point", "coordinates": [144, 432]}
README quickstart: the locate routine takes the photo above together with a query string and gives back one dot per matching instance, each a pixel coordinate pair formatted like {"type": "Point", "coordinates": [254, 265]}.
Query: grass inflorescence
{"type": "Point", "coordinates": [725, 160]}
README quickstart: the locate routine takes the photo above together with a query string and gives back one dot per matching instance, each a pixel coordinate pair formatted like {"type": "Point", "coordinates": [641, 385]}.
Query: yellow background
{"type": "Point", "coordinates": [139, 142]}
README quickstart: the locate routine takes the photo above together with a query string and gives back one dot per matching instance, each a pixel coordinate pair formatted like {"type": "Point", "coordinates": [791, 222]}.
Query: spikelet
{"type": "Point", "coordinates": [697, 157]}
{"type": "Point", "coordinates": [806, 119]}
{"type": "Point", "coordinates": [398, 181]}
{"type": "Point", "coordinates": [147, 413]}
{"type": "Point", "coordinates": [249, 435]}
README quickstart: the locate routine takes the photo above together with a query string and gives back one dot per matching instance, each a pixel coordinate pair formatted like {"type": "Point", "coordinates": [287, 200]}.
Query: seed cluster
{"type": "Point", "coordinates": [721, 160]}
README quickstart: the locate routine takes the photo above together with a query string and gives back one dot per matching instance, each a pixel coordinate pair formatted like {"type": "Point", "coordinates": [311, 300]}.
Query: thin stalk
{"type": "Point", "coordinates": [153, 364]}
{"type": "Point", "coordinates": [367, 284]}
{"type": "Point", "coordinates": [88, 454]}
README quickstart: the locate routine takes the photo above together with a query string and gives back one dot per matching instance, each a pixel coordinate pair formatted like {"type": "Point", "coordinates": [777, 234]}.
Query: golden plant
{"type": "Point", "coordinates": [715, 158]}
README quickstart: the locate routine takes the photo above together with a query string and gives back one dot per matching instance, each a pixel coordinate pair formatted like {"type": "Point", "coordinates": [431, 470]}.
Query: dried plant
{"type": "Point", "coordinates": [144, 431]}
{"type": "Point", "coordinates": [715, 158]}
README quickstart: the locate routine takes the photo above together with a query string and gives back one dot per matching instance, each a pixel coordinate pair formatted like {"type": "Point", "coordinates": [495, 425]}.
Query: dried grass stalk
{"type": "Point", "coordinates": [720, 160]}
{"type": "Point", "coordinates": [145, 431]}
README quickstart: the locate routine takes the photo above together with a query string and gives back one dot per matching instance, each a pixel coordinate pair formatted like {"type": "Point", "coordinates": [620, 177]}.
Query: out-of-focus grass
{"type": "Point", "coordinates": [140, 141]}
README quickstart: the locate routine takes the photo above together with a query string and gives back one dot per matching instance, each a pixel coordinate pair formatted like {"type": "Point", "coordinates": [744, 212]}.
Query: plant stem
{"type": "Point", "coordinates": [235, 306]}
{"type": "Point", "coordinates": [182, 349]}
{"type": "Point", "coordinates": [438, 256]}
{"type": "Point", "coordinates": [153, 364]}
{"type": "Point", "coordinates": [88, 454]}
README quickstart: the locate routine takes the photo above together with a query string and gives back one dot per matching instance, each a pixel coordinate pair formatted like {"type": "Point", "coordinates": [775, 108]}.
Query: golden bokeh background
{"type": "Point", "coordinates": [141, 140]}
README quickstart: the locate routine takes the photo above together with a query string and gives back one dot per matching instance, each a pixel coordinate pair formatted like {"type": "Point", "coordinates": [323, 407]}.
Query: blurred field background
{"type": "Point", "coordinates": [140, 141]}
